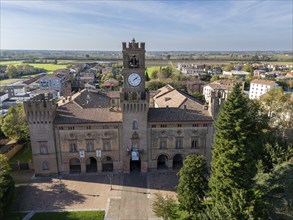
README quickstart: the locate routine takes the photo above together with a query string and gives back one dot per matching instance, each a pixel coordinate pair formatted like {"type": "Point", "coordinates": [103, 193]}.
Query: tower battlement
{"type": "Point", "coordinates": [133, 45]}
{"type": "Point", "coordinates": [40, 109]}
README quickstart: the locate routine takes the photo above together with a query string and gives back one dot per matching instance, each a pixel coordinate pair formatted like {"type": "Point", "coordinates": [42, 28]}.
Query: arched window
{"type": "Point", "coordinates": [134, 125]}
{"type": "Point", "coordinates": [193, 143]}
{"type": "Point", "coordinates": [45, 165]}
{"type": "Point", "coordinates": [90, 146]}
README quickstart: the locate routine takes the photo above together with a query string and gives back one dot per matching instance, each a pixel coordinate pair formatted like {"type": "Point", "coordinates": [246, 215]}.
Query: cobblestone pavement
{"type": "Point", "coordinates": [93, 192]}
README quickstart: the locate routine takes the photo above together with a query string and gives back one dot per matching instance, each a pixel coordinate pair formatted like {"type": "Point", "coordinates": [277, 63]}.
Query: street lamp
{"type": "Point", "coordinates": [110, 176]}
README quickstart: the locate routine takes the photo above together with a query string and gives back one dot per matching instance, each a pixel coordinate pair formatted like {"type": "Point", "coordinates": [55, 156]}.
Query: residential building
{"type": "Point", "coordinates": [236, 73]}
{"type": "Point", "coordinates": [259, 87]}
{"type": "Point", "coordinates": [223, 85]}
{"type": "Point", "coordinates": [193, 69]}
{"type": "Point", "coordinates": [58, 81]}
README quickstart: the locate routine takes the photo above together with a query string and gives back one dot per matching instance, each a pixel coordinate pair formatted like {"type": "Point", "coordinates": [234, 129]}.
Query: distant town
{"type": "Point", "coordinates": [25, 74]}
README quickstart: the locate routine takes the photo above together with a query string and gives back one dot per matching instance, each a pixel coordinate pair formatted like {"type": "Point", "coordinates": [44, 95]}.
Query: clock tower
{"type": "Point", "coordinates": [135, 103]}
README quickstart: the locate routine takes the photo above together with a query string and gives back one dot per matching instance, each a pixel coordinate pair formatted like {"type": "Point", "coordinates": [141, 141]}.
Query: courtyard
{"type": "Point", "coordinates": [120, 195]}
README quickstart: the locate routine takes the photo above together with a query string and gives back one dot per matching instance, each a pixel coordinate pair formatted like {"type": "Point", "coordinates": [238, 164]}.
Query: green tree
{"type": "Point", "coordinates": [192, 184]}
{"type": "Point", "coordinates": [155, 74]}
{"type": "Point", "coordinates": [4, 166]}
{"type": "Point", "coordinates": [11, 71]}
{"type": "Point", "coordinates": [15, 125]}
{"type": "Point", "coordinates": [166, 72]}
{"type": "Point", "coordinates": [279, 106]}
{"type": "Point", "coordinates": [229, 67]}
{"type": "Point", "coordinates": [277, 186]}
{"type": "Point", "coordinates": [199, 96]}
{"type": "Point", "coordinates": [215, 77]}
{"type": "Point", "coordinates": [165, 207]}
{"type": "Point", "coordinates": [147, 78]}
{"type": "Point", "coordinates": [155, 84]}
{"type": "Point", "coordinates": [234, 161]}
{"type": "Point", "coordinates": [248, 68]}
{"type": "Point", "coordinates": [6, 185]}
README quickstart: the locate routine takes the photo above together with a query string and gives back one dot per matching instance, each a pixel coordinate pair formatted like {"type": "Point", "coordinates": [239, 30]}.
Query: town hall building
{"type": "Point", "coordinates": [119, 131]}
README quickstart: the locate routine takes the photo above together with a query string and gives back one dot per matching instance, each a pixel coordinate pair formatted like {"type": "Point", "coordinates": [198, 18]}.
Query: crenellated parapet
{"type": "Point", "coordinates": [134, 55]}
{"type": "Point", "coordinates": [40, 110]}
{"type": "Point", "coordinates": [133, 45]}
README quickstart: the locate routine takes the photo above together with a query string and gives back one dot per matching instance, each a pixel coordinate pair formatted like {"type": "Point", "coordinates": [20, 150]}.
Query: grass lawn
{"type": "Point", "coordinates": [19, 62]}
{"type": "Point", "coordinates": [14, 216]}
{"type": "Point", "coordinates": [48, 66]}
{"type": "Point", "coordinates": [82, 215]}
{"type": "Point", "coordinates": [150, 70]}
{"type": "Point", "coordinates": [24, 155]}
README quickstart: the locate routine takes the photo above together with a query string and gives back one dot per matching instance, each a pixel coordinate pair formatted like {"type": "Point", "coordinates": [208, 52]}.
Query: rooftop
{"type": "Point", "coordinates": [176, 114]}
{"type": "Point", "coordinates": [72, 113]}
{"type": "Point", "coordinates": [263, 82]}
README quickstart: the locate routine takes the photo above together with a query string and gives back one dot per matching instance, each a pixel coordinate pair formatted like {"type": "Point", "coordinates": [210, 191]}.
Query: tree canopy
{"type": "Point", "coordinates": [234, 162]}
{"type": "Point", "coordinates": [280, 109]}
{"type": "Point", "coordinates": [278, 189]}
{"type": "Point", "coordinates": [248, 68]}
{"type": "Point", "coordinates": [192, 183]}
{"type": "Point", "coordinates": [165, 207]}
{"type": "Point", "coordinates": [15, 125]}
{"type": "Point", "coordinates": [229, 67]}
{"type": "Point", "coordinates": [6, 185]}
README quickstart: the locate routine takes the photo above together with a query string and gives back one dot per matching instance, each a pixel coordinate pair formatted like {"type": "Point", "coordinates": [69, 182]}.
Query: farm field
{"type": "Point", "coordinates": [50, 67]}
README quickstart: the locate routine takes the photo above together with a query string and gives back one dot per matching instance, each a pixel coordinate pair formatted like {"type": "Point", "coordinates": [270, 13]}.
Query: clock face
{"type": "Point", "coordinates": [134, 79]}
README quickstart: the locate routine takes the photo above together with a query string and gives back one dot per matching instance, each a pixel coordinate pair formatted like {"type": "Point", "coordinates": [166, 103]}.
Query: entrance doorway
{"type": "Point", "coordinates": [135, 163]}
{"type": "Point", "coordinates": [91, 165]}
{"type": "Point", "coordinates": [162, 162]}
{"type": "Point", "coordinates": [177, 161]}
{"type": "Point", "coordinates": [107, 164]}
{"type": "Point", "coordinates": [74, 165]}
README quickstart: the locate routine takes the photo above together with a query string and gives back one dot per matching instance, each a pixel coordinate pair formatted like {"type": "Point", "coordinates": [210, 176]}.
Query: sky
{"type": "Point", "coordinates": [210, 25]}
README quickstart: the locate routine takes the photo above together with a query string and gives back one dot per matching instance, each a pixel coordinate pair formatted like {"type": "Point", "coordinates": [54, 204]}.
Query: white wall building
{"type": "Point", "coordinates": [259, 87]}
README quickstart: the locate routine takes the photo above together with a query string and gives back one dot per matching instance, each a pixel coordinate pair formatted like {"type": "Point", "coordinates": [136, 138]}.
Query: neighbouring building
{"type": "Point", "coordinates": [225, 86]}
{"type": "Point", "coordinates": [127, 130]}
{"type": "Point", "coordinates": [59, 81]}
{"type": "Point", "coordinates": [195, 86]}
{"type": "Point", "coordinates": [236, 73]}
{"type": "Point", "coordinates": [259, 87]}
{"type": "Point", "coordinates": [198, 70]}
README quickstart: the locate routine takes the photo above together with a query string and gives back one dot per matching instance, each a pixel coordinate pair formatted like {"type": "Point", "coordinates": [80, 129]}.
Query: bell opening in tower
{"type": "Point", "coordinates": [133, 62]}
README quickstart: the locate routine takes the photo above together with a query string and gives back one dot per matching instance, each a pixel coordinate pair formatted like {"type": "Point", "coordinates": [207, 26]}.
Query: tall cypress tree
{"type": "Point", "coordinates": [234, 159]}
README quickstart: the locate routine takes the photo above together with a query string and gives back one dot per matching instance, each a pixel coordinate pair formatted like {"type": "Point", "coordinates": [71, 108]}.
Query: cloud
{"type": "Point", "coordinates": [165, 23]}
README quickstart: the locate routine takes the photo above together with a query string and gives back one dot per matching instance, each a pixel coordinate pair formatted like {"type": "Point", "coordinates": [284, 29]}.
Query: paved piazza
{"type": "Point", "coordinates": [130, 198]}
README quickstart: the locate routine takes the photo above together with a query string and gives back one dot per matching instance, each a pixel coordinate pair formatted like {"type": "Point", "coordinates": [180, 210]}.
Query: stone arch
{"type": "Point", "coordinates": [91, 165]}
{"type": "Point", "coordinates": [177, 161]}
{"type": "Point", "coordinates": [162, 161]}
{"type": "Point", "coordinates": [107, 164]}
{"type": "Point", "coordinates": [74, 165]}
